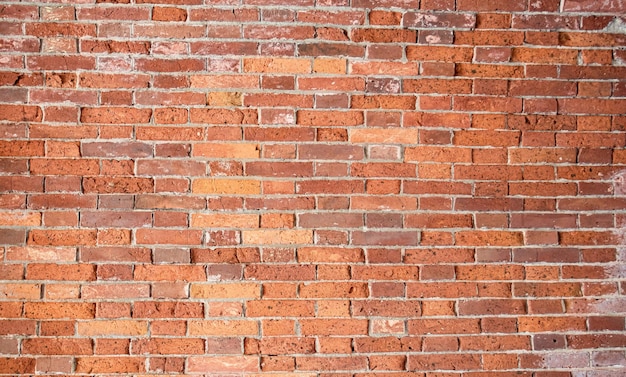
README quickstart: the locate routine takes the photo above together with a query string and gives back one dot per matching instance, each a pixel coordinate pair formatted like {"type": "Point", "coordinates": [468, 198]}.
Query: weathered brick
{"type": "Point", "coordinates": [164, 309]}
{"type": "Point", "coordinates": [444, 361]}
{"type": "Point", "coordinates": [21, 365]}
{"type": "Point", "coordinates": [109, 365]}
{"type": "Point", "coordinates": [280, 273]}
{"type": "Point", "coordinates": [44, 237]}
{"type": "Point", "coordinates": [224, 364]}
{"type": "Point", "coordinates": [333, 326]}
{"type": "Point", "coordinates": [118, 115]}
{"type": "Point", "coordinates": [115, 290]}
{"type": "Point", "coordinates": [302, 178]}
{"type": "Point", "coordinates": [51, 310]}
{"type": "Point", "coordinates": [165, 346]}
{"type": "Point", "coordinates": [48, 271]}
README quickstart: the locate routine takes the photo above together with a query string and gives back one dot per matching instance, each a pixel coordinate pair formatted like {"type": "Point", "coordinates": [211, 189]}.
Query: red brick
{"type": "Point", "coordinates": [444, 326]}
{"type": "Point", "coordinates": [543, 324]}
{"type": "Point", "coordinates": [587, 238]}
{"type": "Point", "coordinates": [62, 237]}
{"type": "Point", "coordinates": [163, 309]}
{"type": "Point", "coordinates": [164, 273]}
{"type": "Point", "coordinates": [386, 308]}
{"type": "Point", "coordinates": [115, 81]}
{"type": "Point", "coordinates": [330, 49]}
{"type": "Point", "coordinates": [115, 115]}
{"type": "Point", "coordinates": [110, 365]}
{"type": "Point", "coordinates": [311, 220]}
{"type": "Point", "coordinates": [222, 48]}
{"type": "Point", "coordinates": [267, 272]}
{"type": "Point", "coordinates": [114, 254]}
{"type": "Point", "coordinates": [489, 38]}
{"type": "Point", "coordinates": [225, 255]}
{"type": "Point", "coordinates": [169, 14]}
{"type": "Point", "coordinates": [337, 363]}
{"type": "Point", "coordinates": [281, 345]}
{"type": "Point", "coordinates": [59, 346]}
{"type": "Point", "coordinates": [439, 221]}
{"type": "Point", "coordinates": [486, 103]}
{"type": "Point", "coordinates": [223, 116]}
{"type": "Point", "coordinates": [22, 12]}
{"type": "Point", "coordinates": [599, 106]}
{"type": "Point", "coordinates": [330, 290]}
{"type": "Point", "coordinates": [12, 310]}
{"type": "Point", "coordinates": [22, 365]}
{"type": "Point", "coordinates": [425, 178]}
{"type": "Point", "coordinates": [326, 118]}
{"type": "Point", "coordinates": [489, 272]}
{"type": "Point", "coordinates": [388, 238]}
{"type": "Point", "coordinates": [48, 271]}
{"type": "Point", "coordinates": [20, 113]}
{"type": "Point", "coordinates": [164, 346]}
{"type": "Point", "coordinates": [439, 54]}
{"type": "Point", "coordinates": [383, 35]}
{"type": "Point", "coordinates": [378, 17]}
{"type": "Point", "coordinates": [225, 15]}
{"type": "Point", "coordinates": [169, 237]}
{"type": "Point", "coordinates": [51, 310]}
{"type": "Point", "coordinates": [104, 46]}
{"type": "Point", "coordinates": [170, 65]}
{"type": "Point", "coordinates": [175, 99]}
{"type": "Point", "coordinates": [117, 185]}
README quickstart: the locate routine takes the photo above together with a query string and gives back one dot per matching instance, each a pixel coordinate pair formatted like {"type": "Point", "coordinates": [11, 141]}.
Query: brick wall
{"type": "Point", "coordinates": [313, 188]}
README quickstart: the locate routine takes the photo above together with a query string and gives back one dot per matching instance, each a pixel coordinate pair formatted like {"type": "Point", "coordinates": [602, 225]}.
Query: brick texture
{"type": "Point", "coordinates": [313, 188]}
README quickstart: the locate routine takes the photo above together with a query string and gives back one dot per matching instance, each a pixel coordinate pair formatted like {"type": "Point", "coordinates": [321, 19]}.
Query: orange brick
{"type": "Point", "coordinates": [551, 324]}
{"type": "Point", "coordinates": [277, 65]}
{"type": "Point", "coordinates": [110, 365]}
{"type": "Point", "coordinates": [49, 271]}
{"type": "Point", "coordinates": [169, 237]}
{"type": "Point", "coordinates": [277, 220]}
{"type": "Point", "coordinates": [170, 273]}
{"type": "Point", "coordinates": [112, 328]}
{"type": "Point", "coordinates": [329, 118]}
{"type": "Point", "coordinates": [329, 66]}
{"type": "Point", "coordinates": [280, 308]}
{"type": "Point", "coordinates": [223, 150]}
{"type": "Point", "coordinates": [226, 186]}
{"type": "Point", "coordinates": [51, 310]}
{"type": "Point", "coordinates": [278, 327]}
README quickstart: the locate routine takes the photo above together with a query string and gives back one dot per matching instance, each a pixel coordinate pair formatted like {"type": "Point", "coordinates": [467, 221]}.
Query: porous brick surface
{"type": "Point", "coordinates": [313, 188]}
